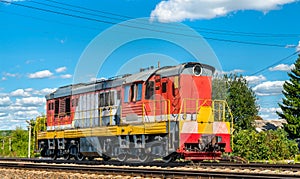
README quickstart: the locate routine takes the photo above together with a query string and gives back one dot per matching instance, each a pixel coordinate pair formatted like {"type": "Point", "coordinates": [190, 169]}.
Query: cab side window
{"type": "Point", "coordinates": [139, 92]}
{"type": "Point", "coordinates": [133, 92]}
{"type": "Point", "coordinates": [107, 99]}
{"type": "Point", "coordinates": [126, 94]}
{"type": "Point", "coordinates": [68, 106]}
{"type": "Point", "coordinates": [149, 90]}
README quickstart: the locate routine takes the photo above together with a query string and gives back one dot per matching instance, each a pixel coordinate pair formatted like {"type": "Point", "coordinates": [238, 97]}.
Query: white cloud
{"type": "Point", "coordinates": [29, 89]}
{"type": "Point", "coordinates": [7, 75]}
{"type": "Point", "coordinates": [269, 116]}
{"type": "Point", "coordinates": [30, 92]}
{"type": "Point", "coordinates": [41, 74]}
{"type": "Point", "coordinates": [97, 79]}
{"type": "Point", "coordinates": [290, 46]}
{"type": "Point", "coordinates": [14, 0]}
{"type": "Point", "coordinates": [282, 67]}
{"type": "Point", "coordinates": [20, 92]}
{"type": "Point", "coordinates": [26, 114]}
{"type": "Point", "coordinates": [93, 79]}
{"type": "Point", "coordinates": [235, 71]}
{"type": "Point", "coordinates": [3, 94]}
{"type": "Point", "coordinates": [5, 101]}
{"type": "Point", "coordinates": [60, 69]}
{"type": "Point", "coordinates": [180, 10]}
{"type": "Point", "coordinates": [255, 79]}
{"type": "Point", "coordinates": [66, 76]}
{"type": "Point", "coordinates": [21, 104]}
{"type": "Point", "coordinates": [14, 114]}
{"type": "Point", "coordinates": [270, 110]}
{"type": "Point", "coordinates": [269, 88]}
{"type": "Point", "coordinates": [8, 2]}
{"type": "Point", "coordinates": [11, 74]}
{"type": "Point", "coordinates": [298, 47]}
{"type": "Point", "coordinates": [31, 101]}
{"type": "Point", "coordinates": [14, 108]}
{"type": "Point", "coordinates": [44, 91]}
{"type": "Point", "coordinates": [269, 113]}
{"type": "Point", "coordinates": [3, 114]}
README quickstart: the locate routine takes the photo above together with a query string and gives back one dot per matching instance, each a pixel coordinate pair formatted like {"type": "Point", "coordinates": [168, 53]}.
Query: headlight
{"type": "Point", "coordinates": [197, 70]}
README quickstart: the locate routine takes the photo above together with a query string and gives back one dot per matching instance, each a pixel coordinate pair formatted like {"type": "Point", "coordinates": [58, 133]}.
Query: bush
{"type": "Point", "coordinates": [266, 145]}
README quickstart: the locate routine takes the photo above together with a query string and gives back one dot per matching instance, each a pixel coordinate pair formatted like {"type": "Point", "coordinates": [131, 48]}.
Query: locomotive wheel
{"type": "Point", "coordinates": [43, 152]}
{"type": "Point", "coordinates": [53, 156]}
{"type": "Point", "coordinates": [143, 157]}
{"type": "Point", "coordinates": [79, 157]}
{"type": "Point", "coordinates": [67, 156]}
{"type": "Point", "coordinates": [169, 159]}
{"type": "Point", "coordinates": [122, 157]}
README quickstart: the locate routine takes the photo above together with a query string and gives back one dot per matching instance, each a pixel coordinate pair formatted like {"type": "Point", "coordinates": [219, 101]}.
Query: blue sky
{"type": "Point", "coordinates": [42, 41]}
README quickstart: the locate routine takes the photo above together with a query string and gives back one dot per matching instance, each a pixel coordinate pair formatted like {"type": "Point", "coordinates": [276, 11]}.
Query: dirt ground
{"type": "Point", "coordinates": [32, 174]}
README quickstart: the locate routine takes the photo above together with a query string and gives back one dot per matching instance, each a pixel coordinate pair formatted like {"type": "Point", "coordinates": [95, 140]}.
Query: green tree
{"type": "Point", "coordinates": [291, 102]}
{"type": "Point", "coordinates": [266, 145]}
{"type": "Point", "coordinates": [240, 98]}
{"type": "Point", "coordinates": [14, 143]}
{"type": "Point", "coordinates": [19, 142]}
{"type": "Point", "coordinates": [219, 86]}
{"type": "Point", "coordinates": [39, 124]}
{"type": "Point", "coordinates": [5, 142]}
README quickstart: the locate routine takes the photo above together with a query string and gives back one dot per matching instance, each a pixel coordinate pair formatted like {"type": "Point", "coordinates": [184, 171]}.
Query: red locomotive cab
{"type": "Point", "coordinates": [204, 131]}
{"type": "Point", "coordinates": [59, 113]}
{"type": "Point", "coordinates": [50, 113]}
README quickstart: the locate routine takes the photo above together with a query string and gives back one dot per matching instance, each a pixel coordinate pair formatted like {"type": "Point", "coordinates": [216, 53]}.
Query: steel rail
{"type": "Point", "coordinates": [148, 171]}
{"type": "Point", "coordinates": [161, 163]}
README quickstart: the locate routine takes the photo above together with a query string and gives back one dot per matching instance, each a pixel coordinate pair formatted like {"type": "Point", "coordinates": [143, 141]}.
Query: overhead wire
{"type": "Point", "coordinates": [205, 30]}
{"type": "Point", "coordinates": [81, 12]}
{"type": "Point", "coordinates": [276, 63]}
{"type": "Point", "coordinates": [109, 22]}
{"type": "Point", "coordinates": [138, 22]}
{"type": "Point", "coordinates": [141, 28]}
{"type": "Point", "coordinates": [47, 20]}
{"type": "Point", "coordinates": [251, 34]}
{"type": "Point", "coordinates": [118, 17]}
{"type": "Point", "coordinates": [89, 9]}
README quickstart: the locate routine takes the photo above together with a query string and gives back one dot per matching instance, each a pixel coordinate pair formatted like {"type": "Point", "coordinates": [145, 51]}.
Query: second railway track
{"type": "Point", "coordinates": [174, 170]}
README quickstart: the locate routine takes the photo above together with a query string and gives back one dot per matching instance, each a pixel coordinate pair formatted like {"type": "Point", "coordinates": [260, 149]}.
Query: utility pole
{"type": "Point", "coordinates": [3, 146]}
{"type": "Point", "coordinates": [9, 141]}
{"type": "Point", "coordinates": [29, 137]}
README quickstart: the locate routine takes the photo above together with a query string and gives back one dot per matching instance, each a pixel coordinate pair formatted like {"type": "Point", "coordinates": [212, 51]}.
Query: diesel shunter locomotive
{"type": "Point", "coordinates": [165, 113]}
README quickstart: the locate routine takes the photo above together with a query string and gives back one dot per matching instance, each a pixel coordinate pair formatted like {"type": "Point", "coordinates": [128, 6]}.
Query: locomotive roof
{"type": "Point", "coordinates": [79, 88]}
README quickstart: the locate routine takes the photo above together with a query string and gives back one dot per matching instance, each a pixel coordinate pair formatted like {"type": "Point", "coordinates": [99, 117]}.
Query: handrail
{"type": "Point", "coordinates": [91, 113]}
{"type": "Point", "coordinates": [166, 112]}
{"type": "Point", "coordinates": [221, 105]}
{"type": "Point", "coordinates": [221, 110]}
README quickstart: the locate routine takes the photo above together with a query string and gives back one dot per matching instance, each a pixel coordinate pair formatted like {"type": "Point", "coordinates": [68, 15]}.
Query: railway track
{"type": "Point", "coordinates": [157, 170]}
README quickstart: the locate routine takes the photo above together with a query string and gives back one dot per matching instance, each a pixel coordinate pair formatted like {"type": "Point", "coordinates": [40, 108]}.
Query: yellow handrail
{"type": "Point", "coordinates": [143, 116]}
{"type": "Point", "coordinates": [166, 112]}
{"type": "Point", "coordinates": [100, 116]}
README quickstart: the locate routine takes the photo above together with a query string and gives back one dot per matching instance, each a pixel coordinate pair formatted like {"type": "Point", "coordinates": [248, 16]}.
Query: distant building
{"type": "Point", "coordinates": [264, 125]}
